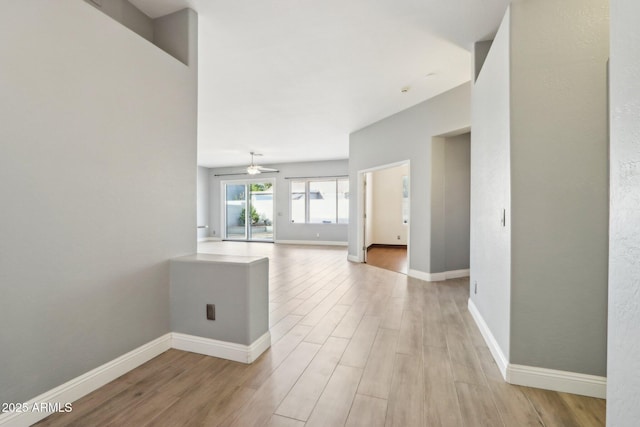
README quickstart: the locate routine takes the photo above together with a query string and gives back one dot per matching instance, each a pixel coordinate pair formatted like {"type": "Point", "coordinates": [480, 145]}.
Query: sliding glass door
{"type": "Point", "coordinates": [248, 209]}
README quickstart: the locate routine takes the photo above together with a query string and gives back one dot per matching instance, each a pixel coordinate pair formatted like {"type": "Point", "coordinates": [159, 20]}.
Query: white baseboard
{"type": "Point", "coordinates": [419, 275]}
{"type": "Point", "coordinates": [438, 277]}
{"type": "Point", "coordinates": [456, 274]}
{"type": "Point", "coordinates": [531, 376]}
{"type": "Point", "coordinates": [311, 242]}
{"type": "Point", "coordinates": [492, 343]}
{"type": "Point", "coordinates": [222, 349]}
{"type": "Point", "coordinates": [209, 239]}
{"type": "Point", "coordinates": [86, 383]}
{"type": "Point", "coordinates": [564, 381]}
{"type": "Point", "coordinates": [353, 258]}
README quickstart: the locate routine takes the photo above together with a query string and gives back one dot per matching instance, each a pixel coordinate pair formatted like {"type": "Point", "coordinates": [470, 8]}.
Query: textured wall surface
{"type": "Point", "coordinates": [490, 255]}
{"type": "Point", "coordinates": [623, 381]}
{"type": "Point", "coordinates": [450, 198]}
{"type": "Point", "coordinates": [457, 182]}
{"type": "Point", "coordinates": [97, 182]}
{"type": "Point", "coordinates": [559, 184]}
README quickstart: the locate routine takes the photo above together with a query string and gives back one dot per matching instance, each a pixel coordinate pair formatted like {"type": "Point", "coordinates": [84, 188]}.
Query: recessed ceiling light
{"type": "Point", "coordinates": [405, 89]}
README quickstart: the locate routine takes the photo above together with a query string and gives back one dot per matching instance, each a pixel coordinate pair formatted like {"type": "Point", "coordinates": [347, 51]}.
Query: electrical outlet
{"type": "Point", "coordinates": [214, 232]}
{"type": "Point", "coordinates": [211, 312]}
{"type": "Point", "coordinates": [317, 235]}
{"type": "Point", "coordinates": [398, 237]}
{"type": "Point", "coordinates": [475, 287]}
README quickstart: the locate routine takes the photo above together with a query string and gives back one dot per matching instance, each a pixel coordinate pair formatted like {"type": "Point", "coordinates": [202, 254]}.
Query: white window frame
{"type": "Point", "coordinates": [307, 199]}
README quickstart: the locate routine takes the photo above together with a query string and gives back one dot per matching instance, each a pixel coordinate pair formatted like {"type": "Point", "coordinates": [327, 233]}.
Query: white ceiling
{"type": "Point", "coordinates": [292, 78]}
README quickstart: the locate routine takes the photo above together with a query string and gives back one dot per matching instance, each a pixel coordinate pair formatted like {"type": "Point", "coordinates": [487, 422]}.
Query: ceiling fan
{"type": "Point", "coordinates": [252, 169]}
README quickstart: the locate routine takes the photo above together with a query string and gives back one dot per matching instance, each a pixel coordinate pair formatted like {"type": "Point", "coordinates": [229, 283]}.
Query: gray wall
{"type": "Point", "coordinates": [202, 201]}
{"type": "Point", "coordinates": [450, 181]}
{"type": "Point", "coordinates": [540, 108]}
{"type": "Point", "coordinates": [623, 383]}
{"type": "Point", "coordinates": [559, 184]}
{"type": "Point", "coordinates": [97, 173]}
{"type": "Point", "coordinates": [284, 229]}
{"type": "Point", "coordinates": [456, 202]}
{"type": "Point", "coordinates": [238, 286]}
{"type": "Point", "coordinates": [407, 136]}
{"type": "Point", "coordinates": [170, 32]}
{"type": "Point", "coordinates": [127, 14]}
{"type": "Point", "coordinates": [490, 242]}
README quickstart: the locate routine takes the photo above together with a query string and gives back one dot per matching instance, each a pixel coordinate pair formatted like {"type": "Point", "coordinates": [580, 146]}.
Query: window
{"type": "Point", "coordinates": [320, 201]}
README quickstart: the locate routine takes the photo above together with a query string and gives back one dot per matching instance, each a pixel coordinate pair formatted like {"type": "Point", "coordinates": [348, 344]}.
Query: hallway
{"type": "Point", "coordinates": [351, 345]}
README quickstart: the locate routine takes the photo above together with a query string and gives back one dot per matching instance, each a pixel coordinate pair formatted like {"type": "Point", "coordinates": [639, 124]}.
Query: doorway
{"type": "Point", "coordinates": [385, 216]}
{"type": "Point", "coordinates": [248, 210]}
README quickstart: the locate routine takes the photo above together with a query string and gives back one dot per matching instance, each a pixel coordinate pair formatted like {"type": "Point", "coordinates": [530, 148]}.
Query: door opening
{"type": "Point", "coordinates": [248, 210]}
{"type": "Point", "coordinates": [385, 216]}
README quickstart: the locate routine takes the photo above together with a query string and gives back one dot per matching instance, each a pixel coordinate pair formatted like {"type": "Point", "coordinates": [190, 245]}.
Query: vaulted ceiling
{"type": "Point", "coordinates": [292, 78]}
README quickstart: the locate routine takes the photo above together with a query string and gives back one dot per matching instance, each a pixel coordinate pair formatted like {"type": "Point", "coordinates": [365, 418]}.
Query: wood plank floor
{"type": "Point", "coordinates": [352, 345]}
{"type": "Point", "coordinates": [392, 258]}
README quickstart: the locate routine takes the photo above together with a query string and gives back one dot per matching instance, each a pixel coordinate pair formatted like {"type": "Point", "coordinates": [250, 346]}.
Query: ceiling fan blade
{"type": "Point", "coordinates": [239, 172]}
{"type": "Point", "coordinates": [263, 169]}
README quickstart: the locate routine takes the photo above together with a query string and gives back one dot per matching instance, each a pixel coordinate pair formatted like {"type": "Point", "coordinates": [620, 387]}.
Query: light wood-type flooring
{"type": "Point", "coordinates": [392, 258]}
{"type": "Point", "coordinates": [352, 345]}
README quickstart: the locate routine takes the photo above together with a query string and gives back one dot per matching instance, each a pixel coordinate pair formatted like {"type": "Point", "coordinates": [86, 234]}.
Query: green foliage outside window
{"type": "Point", "coordinates": [254, 216]}
{"type": "Point", "coordinates": [261, 187]}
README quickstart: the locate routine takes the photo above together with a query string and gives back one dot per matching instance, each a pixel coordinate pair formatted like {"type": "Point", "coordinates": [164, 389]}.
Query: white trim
{"type": "Point", "coordinates": [420, 275]}
{"type": "Point", "coordinates": [564, 381]}
{"type": "Point", "coordinates": [86, 383]}
{"type": "Point", "coordinates": [438, 277]}
{"type": "Point", "coordinates": [531, 376]}
{"type": "Point", "coordinates": [222, 349]}
{"type": "Point", "coordinates": [353, 258]}
{"type": "Point", "coordinates": [80, 386]}
{"type": "Point", "coordinates": [209, 239]}
{"type": "Point", "coordinates": [360, 206]}
{"type": "Point", "coordinates": [223, 211]}
{"type": "Point", "coordinates": [311, 242]}
{"type": "Point", "coordinates": [492, 343]}
{"type": "Point", "coordinates": [456, 274]}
